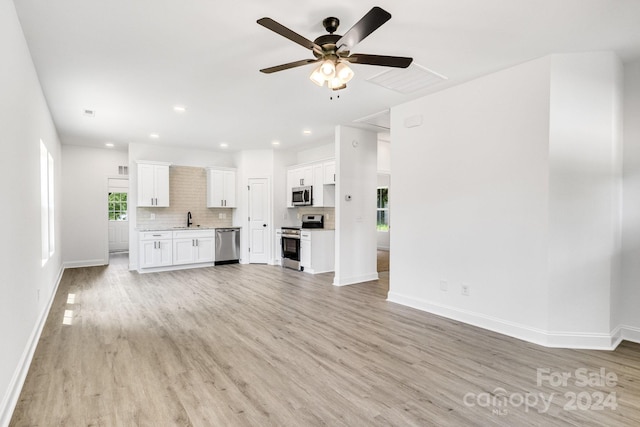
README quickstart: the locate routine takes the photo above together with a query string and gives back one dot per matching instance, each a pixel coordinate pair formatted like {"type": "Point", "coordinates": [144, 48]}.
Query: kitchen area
{"type": "Point", "coordinates": [185, 216]}
{"type": "Point", "coordinates": [188, 217]}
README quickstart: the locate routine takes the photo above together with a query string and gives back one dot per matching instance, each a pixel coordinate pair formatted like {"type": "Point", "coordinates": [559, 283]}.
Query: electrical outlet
{"type": "Point", "coordinates": [464, 289]}
{"type": "Point", "coordinates": [444, 286]}
{"type": "Point", "coordinates": [152, 216]}
{"type": "Point", "coordinates": [224, 216]}
{"type": "Point", "coordinates": [220, 215]}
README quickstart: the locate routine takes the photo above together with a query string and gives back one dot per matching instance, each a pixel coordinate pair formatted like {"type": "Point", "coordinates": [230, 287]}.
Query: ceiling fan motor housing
{"type": "Point", "coordinates": [331, 24]}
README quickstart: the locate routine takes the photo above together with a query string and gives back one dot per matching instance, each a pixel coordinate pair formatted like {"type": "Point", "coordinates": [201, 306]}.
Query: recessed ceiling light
{"type": "Point", "coordinates": [154, 136]}
{"type": "Point", "coordinates": [306, 132]}
{"type": "Point", "coordinates": [223, 145]}
{"type": "Point", "coordinates": [179, 108]}
{"type": "Point", "coordinates": [109, 144]}
{"type": "Point", "coordinates": [275, 143]}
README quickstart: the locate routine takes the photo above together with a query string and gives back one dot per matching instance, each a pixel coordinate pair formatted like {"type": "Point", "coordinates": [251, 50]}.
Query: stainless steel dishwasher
{"type": "Point", "coordinates": [227, 245]}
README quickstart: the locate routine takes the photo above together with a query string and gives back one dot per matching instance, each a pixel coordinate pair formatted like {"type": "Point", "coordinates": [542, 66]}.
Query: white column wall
{"type": "Point", "coordinates": [356, 167]}
{"type": "Point", "coordinates": [584, 192]}
{"type": "Point", "coordinates": [631, 213]}
{"type": "Point", "coordinates": [470, 201]}
{"type": "Point", "coordinates": [515, 177]}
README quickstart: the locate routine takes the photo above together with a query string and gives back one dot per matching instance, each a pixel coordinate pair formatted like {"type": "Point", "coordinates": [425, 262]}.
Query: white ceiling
{"type": "Point", "coordinates": [132, 60]}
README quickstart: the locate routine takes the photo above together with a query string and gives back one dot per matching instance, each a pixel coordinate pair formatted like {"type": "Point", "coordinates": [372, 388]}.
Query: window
{"type": "Point", "coordinates": [47, 229]}
{"type": "Point", "coordinates": [383, 209]}
{"type": "Point", "coordinates": [117, 206]}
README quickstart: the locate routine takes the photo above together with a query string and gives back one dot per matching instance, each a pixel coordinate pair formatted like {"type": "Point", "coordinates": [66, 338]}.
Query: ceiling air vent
{"type": "Point", "coordinates": [407, 80]}
{"type": "Point", "coordinates": [89, 112]}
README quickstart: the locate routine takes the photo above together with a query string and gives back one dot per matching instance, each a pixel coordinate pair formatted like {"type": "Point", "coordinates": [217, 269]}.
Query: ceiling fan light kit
{"type": "Point", "coordinates": [334, 51]}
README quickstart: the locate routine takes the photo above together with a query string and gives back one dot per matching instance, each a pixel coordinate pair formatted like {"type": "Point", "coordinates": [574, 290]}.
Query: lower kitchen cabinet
{"type": "Point", "coordinates": [192, 247]}
{"type": "Point", "coordinates": [317, 251]}
{"type": "Point", "coordinates": [155, 249]}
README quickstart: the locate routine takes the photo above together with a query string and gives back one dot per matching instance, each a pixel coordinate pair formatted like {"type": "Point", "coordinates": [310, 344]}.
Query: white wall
{"type": "Point", "coordinates": [27, 287]}
{"type": "Point", "coordinates": [470, 199]}
{"type": "Point", "coordinates": [511, 187]}
{"type": "Point", "coordinates": [84, 201]}
{"type": "Point", "coordinates": [384, 156]}
{"type": "Point", "coordinates": [631, 190]}
{"type": "Point", "coordinates": [175, 155]}
{"type": "Point", "coordinates": [584, 192]}
{"type": "Point", "coordinates": [322, 152]}
{"type": "Point", "coordinates": [356, 166]}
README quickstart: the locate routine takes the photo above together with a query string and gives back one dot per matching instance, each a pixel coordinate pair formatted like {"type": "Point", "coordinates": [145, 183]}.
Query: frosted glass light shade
{"type": "Point", "coordinates": [317, 77]}
{"type": "Point", "coordinates": [328, 69]}
{"type": "Point", "coordinates": [344, 72]}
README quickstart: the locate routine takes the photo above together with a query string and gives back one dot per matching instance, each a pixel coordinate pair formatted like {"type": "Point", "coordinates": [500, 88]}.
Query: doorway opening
{"type": "Point", "coordinates": [118, 215]}
{"type": "Point", "coordinates": [383, 224]}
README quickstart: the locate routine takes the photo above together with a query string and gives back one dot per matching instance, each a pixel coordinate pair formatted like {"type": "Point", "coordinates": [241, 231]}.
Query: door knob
{"type": "Point", "coordinates": [264, 225]}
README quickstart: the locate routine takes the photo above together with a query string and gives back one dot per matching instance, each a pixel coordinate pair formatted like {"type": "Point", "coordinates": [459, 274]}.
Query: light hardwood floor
{"type": "Point", "coordinates": [259, 345]}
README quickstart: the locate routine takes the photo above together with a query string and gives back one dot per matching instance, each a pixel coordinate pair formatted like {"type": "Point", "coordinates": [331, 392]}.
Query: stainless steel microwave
{"type": "Point", "coordinates": [301, 196]}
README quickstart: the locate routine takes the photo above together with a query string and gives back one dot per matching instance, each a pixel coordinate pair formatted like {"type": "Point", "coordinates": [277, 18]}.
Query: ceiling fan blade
{"type": "Point", "coordinates": [385, 61]}
{"type": "Point", "coordinates": [289, 65]}
{"type": "Point", "coordinates": [365, 26]}
{"type": "Point", "coordinates": [291, 35]}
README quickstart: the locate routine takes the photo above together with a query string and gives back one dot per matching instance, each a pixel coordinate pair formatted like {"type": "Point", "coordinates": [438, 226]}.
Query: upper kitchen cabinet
{"type": "Point", "coordinates": [221, 188]}
{"type": "Point", "coordinates": [153, 184]}
{"type": "Point", "coordinates": [329, 172]}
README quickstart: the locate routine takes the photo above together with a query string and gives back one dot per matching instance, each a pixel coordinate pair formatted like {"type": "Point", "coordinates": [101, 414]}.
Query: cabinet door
{"type": "Point", "coordinates": [317, 192]}
{"type": "Point", "coordinates": [183, 251]}
{"type": "Point", "coordinates": [305, 253]}
{"type": "Point", "coordinates": [147, 253]}
{"type": "Point", "coordinates": [164, 253]}
{"type": "Point", "coordinates": [230, 189]}
{"type": "Point", "coordinates": [161, 181]}
{"type": "Point", "coordinates": [307, 175]}
{"type": "Point", "coordinates": [215, 188]}
{"type": "Point", "coordinates": [146, 186]}
{"type": "Point", "coordinates": [204, 249]}
{"type": "Point", "coordinates": [330, 172]}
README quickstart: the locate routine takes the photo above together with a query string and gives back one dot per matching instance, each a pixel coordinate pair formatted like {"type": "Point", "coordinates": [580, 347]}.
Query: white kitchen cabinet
{"type": "Point", "coordinates": [301, 176]}
{"type": "Point", "coordinates": [193, 246]}
{"type": "Point", "coordinates": [317, 251]}
{"type": "Point", "coordinates": [153, 184]}
{"type": "Point", "coordinates": [317, 192]}
{"type": "Point", "coordinates": [329, 172]}
{"type": "Point", "coordinates": [221, 188]}
{"type": "Point", "coordinates": [155, 249]}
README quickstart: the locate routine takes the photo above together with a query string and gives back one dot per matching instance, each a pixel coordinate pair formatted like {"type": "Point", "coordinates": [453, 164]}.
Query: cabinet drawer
{"type": "Point", "coordinates": [155, 235]}
{"type": "Point", "coordinates": [193, 234]}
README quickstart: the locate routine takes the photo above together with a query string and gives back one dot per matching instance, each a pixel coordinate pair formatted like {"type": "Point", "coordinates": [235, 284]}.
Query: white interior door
{"type": "Point", "coordinates": [259, 221]}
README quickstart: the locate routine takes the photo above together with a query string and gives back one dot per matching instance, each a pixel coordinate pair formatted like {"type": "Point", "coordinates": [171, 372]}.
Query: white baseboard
{"type": "Point", "coordinates": [630, 333]}
{"type": "Point", "coordinates": [342, 281]}
{"type": "Point", "coordinates": [17, 381]}
{"type": "Point", "coordinates": [86, 263]}
{"type": "Point", "coordinates": [594, 341]}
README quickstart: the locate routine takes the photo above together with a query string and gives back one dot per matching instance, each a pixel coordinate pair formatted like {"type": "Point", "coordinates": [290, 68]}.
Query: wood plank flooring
{"type": "Point", "coordinates": [259, 345]}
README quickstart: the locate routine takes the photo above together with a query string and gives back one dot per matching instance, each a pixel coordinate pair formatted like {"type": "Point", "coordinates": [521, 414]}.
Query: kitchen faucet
{"type": "Point", "coordinates": [189, 219]}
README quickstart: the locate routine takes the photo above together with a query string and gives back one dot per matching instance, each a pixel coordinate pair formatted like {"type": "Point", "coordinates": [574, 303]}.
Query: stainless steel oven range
{"type": "Point", "coordinates": [290, 240]}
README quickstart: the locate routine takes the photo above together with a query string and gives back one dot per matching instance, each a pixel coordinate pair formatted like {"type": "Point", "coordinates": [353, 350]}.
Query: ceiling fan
{"type": "Point", "coordinates": [333, 51]}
